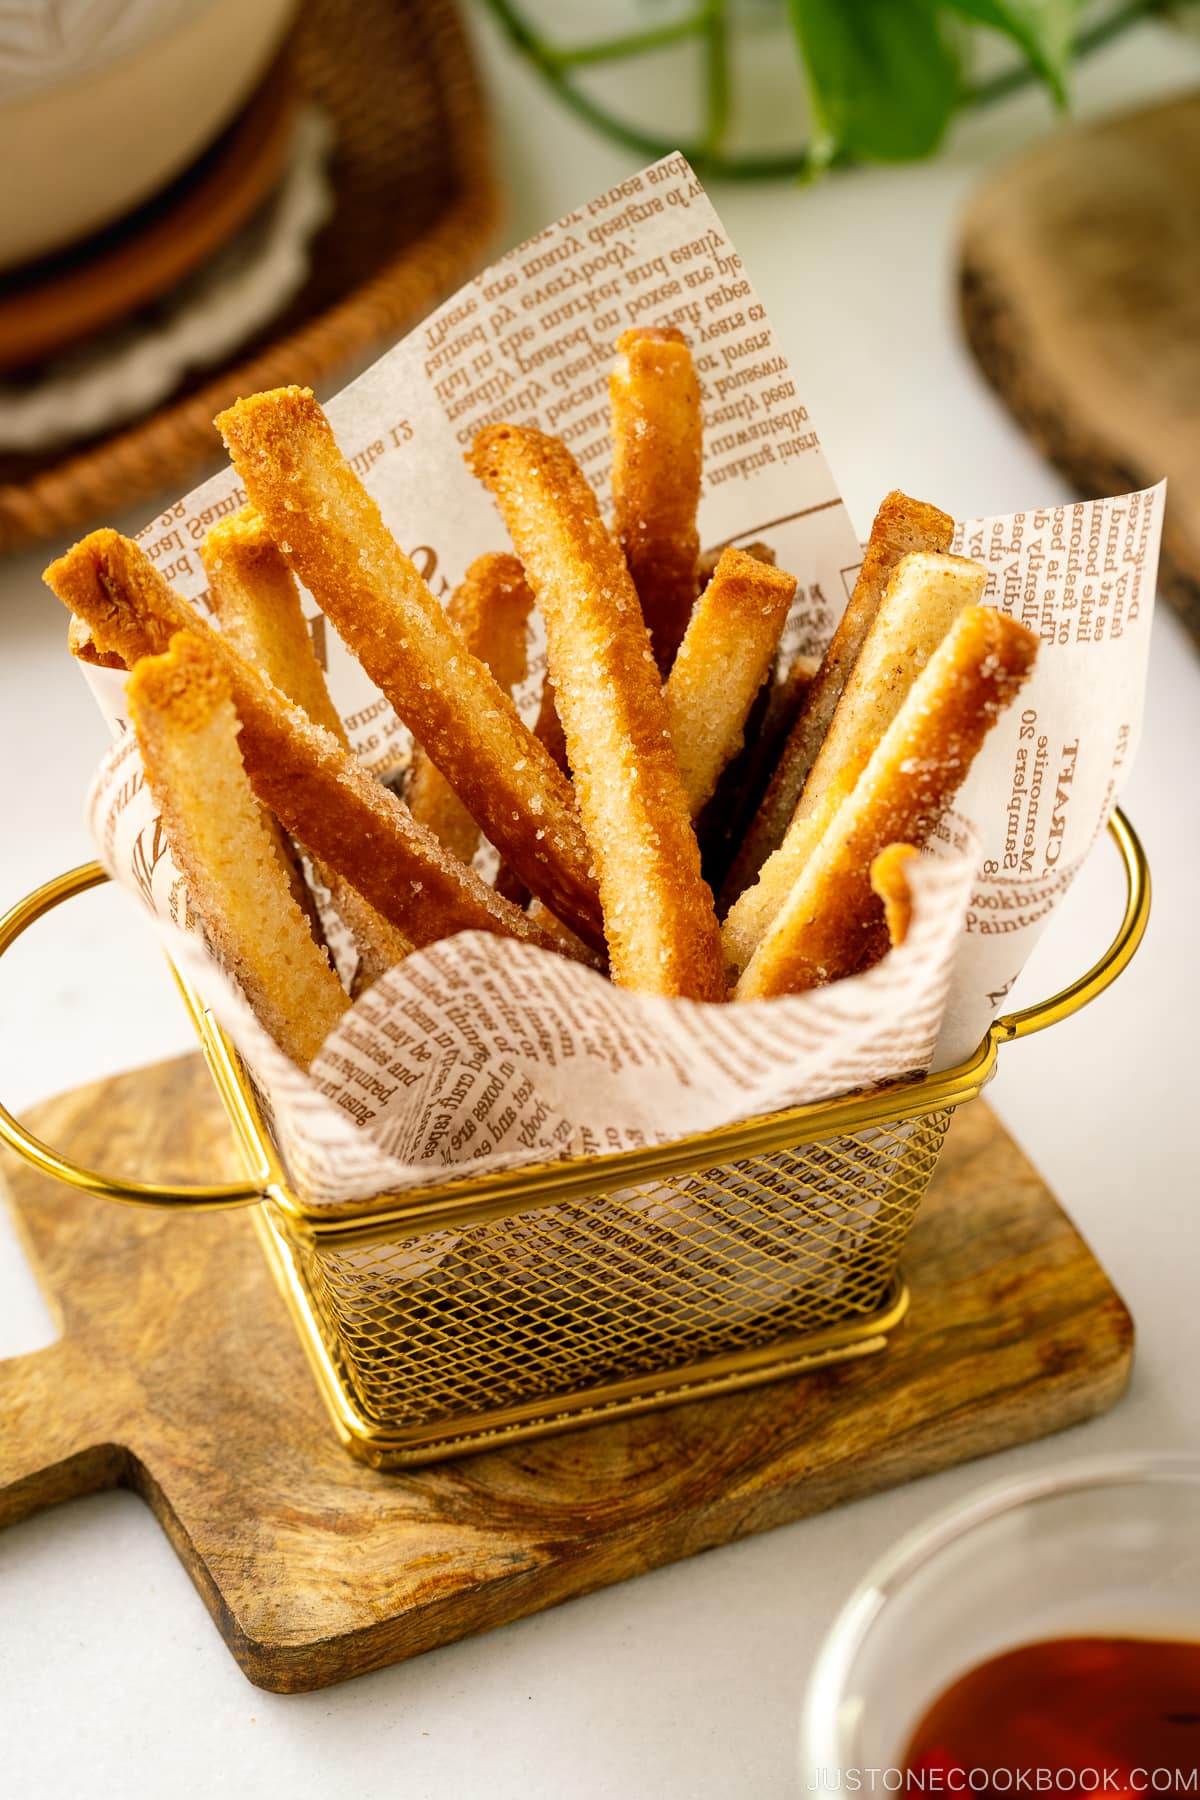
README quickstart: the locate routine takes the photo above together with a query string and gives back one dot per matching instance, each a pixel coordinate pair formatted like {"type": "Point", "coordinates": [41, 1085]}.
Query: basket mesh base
{"type": "Point", "coordinates": [551, 1302]}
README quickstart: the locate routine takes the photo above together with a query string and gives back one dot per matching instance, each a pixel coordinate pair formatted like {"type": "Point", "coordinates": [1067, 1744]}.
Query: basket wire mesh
{"type": "Point", "coordinates": [631, 1282]}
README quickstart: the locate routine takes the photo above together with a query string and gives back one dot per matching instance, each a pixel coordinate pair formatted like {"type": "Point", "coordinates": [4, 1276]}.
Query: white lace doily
{"type": "Point", "coordinates": [126, 370]}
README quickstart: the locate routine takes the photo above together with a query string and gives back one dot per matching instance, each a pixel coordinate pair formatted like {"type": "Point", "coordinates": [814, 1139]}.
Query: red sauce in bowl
{"type": "Point", "coordinates": [1109, 1716]}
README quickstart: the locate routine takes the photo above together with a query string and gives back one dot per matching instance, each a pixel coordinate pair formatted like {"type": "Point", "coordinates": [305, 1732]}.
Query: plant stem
{"type": "Point", "coordinates": [634, 43]}
{"type": "Point", "coordinates": [716, 72]}
{"type": "Point", "coordinates": [709, 21]}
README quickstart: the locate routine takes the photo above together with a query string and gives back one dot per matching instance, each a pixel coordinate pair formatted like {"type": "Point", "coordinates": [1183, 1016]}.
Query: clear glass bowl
{"type": "Point", "coordinates": [1101, 1549]}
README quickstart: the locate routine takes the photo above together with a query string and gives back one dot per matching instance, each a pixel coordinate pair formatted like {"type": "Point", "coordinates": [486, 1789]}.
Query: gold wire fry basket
{"type": "Point", "coordinates": [488, 1308]}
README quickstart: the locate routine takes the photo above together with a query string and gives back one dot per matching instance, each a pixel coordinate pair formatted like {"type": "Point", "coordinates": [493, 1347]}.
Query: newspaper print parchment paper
{"type": "Point", "coordinates": [488, 1052]}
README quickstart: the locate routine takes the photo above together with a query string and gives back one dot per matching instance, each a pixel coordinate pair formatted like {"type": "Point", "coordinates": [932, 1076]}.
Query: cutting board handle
{"type": "Point", "coordinates": [50, 1449]}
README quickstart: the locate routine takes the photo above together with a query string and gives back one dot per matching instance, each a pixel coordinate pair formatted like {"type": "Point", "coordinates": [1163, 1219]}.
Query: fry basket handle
{"type": "Point", "coordinates": [208, 1197]}
{"type": "Point", "coordinates": [1106, 968]}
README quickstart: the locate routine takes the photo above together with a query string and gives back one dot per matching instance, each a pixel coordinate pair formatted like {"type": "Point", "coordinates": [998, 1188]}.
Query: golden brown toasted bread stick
{"type": "Point", "coordinates": [547, 730]}
{"type": "Point", "coordinates": [901, 526]}
{"type": "Point", "coordinates": [332, 533]}
{"type": "Point", "coordinates": [725, 657]}
{"type": "Point", "coordinates": [187, 728]}
{"type": "Point", "coordinates": [82, 647]}
{"type": "Point", "coordinates": [489, 608]}
{"type": "Point", "coordinates": [548, 726]}
{"type": "Point", "coordinates": [889, 880]}
{"type": "Point", "coordinates": [722, 825]}
{"type": "Point", "coordinates": [257, 603]}
{"type": "Point", "coordinates": [706, 568]}
{"type": "Point", "coordinates": [564, 937]}
{"type": "Point", "coordinates": [658, 913]}
{"type": "Point", "coordinates": [791, 690]}
{"type": "Point", "coordinates": [925, 594]}
{"type": "Point", "coordinates": [341, 814]}
{"type": "Point", "coordinates": [656, 437]}
{"type": "Point", "coordinates": [787, 696]}
{"type": "Point", "coordinates": [832, 924]}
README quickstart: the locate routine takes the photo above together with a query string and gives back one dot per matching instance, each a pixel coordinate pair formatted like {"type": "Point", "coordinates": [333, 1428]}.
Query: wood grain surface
{"type": "Point", "coordinates": [1080, 286]}
{"type": "Point", "coordinates": [177, 1374]}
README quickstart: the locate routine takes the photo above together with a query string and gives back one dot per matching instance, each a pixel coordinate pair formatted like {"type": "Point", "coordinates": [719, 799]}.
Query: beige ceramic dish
{"type": "Point", "coordinates": [91, 126]}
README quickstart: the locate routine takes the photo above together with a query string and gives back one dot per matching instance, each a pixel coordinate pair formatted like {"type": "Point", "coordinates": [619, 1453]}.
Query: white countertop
{"type": "Point", "coordinates": [113, 1681]}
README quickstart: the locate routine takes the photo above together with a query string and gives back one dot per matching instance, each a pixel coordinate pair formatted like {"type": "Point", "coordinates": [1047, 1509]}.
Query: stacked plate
{"type": "Point", "coordinates": [212, 197]}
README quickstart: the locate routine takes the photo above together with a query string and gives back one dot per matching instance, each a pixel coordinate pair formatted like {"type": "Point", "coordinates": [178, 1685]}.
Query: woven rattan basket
{"type": "Point", "coordinates": [487, 1308]}
{"type": "Point", "coordinates": [415, 207]}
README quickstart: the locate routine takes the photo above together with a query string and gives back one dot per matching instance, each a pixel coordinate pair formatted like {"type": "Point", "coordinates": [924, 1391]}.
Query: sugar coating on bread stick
{"type": "Point", "coordinates": [925, 594]}
{"type": "Point", "coordinates": [889, 880]}
{"type": "Point", "coordinates": [658, 912]}
{"type": "Point", "coordinates": [725, 657]}
{"type": "Point", "coordinates": [489, 608]}
{"type": "Point", "coordinates": [341, 814]}
{"type": "Point", "coordinates": [333, 534]}
{"type": "Point", "coordinates": [257, 603]}
{"type": "Point", "coordinates": [547, 729]}
{"type": "Point", "coordinates": [901, 525]}
{"type": "Point", "coordinates": [654, 394]}
{"type": "Point", "coordinates": [832, 923]}
{"type": "Point", "coordinates": [187, 728]}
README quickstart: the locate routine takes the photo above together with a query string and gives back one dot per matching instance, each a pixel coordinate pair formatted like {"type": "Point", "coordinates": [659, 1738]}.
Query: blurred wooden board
{"type": "Point", "coordinates": [1080, 286]}
{"type": "Point", "coordinates": [178, 1375]}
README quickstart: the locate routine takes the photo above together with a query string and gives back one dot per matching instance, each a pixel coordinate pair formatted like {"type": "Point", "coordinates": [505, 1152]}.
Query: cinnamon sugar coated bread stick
{"type": "Point", "coordinates": [901, 526]}
{"type": "Point", "coordinates": [725, 657]}
{"type": "Point", "coordinates": [658, 912]}
{"type": "Point", "coordinates": [889, 880]}
{"type": "Point", "coordinates": [257, 603]}
{"type": "Point", "coordinates": [656, 437]}
{"type": "Point", "coordinates": [333, 534]}
{"type": "Point", "coordinates": [489, 607]}
{"type": "Point", "coordinates": [341, 814]}
{"type": "Point", "coordinates": [925, 594]}
{"type": "Point", "coordinates": [187, 727]}
{"type": "Point", "coordinates": [832, 923]}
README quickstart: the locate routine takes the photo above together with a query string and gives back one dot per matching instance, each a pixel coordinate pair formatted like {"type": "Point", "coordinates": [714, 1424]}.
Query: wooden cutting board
{"type": "Point", "coordinates": [1080, 286]}
{"type": "Point", "coordinates": [177, 1374]}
